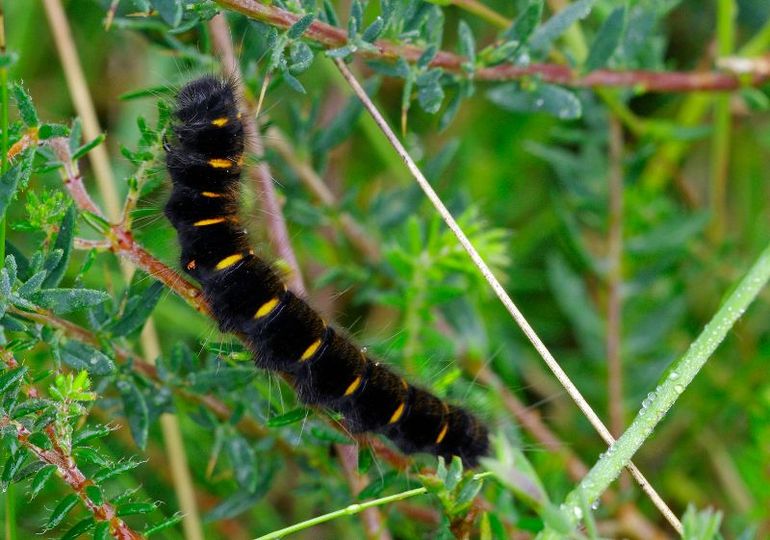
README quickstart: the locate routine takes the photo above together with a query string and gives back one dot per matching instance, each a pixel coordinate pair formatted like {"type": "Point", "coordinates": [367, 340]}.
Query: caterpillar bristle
{"type": "Point", "coordinates": [246, 294]}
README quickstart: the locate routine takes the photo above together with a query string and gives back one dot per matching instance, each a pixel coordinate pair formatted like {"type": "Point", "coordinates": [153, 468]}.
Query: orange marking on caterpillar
{"type": "Point", "coordinates": [310, 351]}
{"type": "Point", "coordinates": [219, 163]}
{"type": "Point", "coordinates": [210, 221]}
{"type": "Point", "coordinates": [212, 195]}
{"type": "Point", "coordinates": [442, 433]}
{"type": "Point", "coordinates": [353, 386]}
{"type": "Point", "coordinates": [220, 122]}
{"type": "Point", "coordinates": [229, 261]}
{"type": "Point", "coordinates": [266, 308]}
{"type": "Point", "coordinates": [191, 265]}
{"type": "Point", "coordinates": [397, 414]}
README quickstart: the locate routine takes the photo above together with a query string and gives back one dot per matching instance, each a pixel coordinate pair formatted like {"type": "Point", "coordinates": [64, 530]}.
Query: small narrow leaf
{"type": "Point", "coordinates": [525, 23]}
{"type": "Point", "coordinates": [224, 378]}
{"type": "Point", "coordinates": [61, 510]}
{"type": "Point", "coordinates": [136, 411]}
{"type": "Point", "coordinates": [290, 417]}
{"type": "Point", "coordinates": [26, 108]}
{"type": "Point", "coordinates": [81, 356]}
{"type": "Point", "coordinates": [299, 27]}
{"type": "Point", "coordinates": [10, 377]}
{"type": "Point", "coordinates": [547, 98]}
{"type": "Point", "coordinates": [63, 242]}
{"type": "Point", "coordinates": [67, 300]}
{"type": "Point", "coordinates": [559, 23]}
{"type": "Point", "coordinates": [9, 181]}
{"type": "Point", "coordinates": [41, 477]}
{"type": "Point", "coordinates": [607, 39]}
{"type": "Point", "coordinates": [90, 145]}
{"type": "Point", "coordinates": [139, 311]}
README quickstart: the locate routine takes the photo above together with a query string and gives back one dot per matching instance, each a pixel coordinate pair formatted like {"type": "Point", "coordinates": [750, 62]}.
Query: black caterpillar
{"type": "Point", "coordinates": [246, 295]}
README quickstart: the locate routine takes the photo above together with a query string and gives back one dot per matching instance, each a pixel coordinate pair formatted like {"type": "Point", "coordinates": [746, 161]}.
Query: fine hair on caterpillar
{"type": "Point", "coordinates": [204, 157]}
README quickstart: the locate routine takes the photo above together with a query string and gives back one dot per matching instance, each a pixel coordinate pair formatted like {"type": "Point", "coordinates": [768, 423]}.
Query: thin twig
{"type": "Point", "coordinates": [615, 278]}
{"type": "Point", "coordinates": [499, 291]}
{"type": "Point", "coordinates": [652, 81]}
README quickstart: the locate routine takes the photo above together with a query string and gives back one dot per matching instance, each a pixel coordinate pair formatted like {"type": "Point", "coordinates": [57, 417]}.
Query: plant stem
{"type": "Point", "coordinates": [664, 81]}
{"type": "Point", "coordinates": [351, 510]}
{"type": "Point", "coordinates": [680, 375]}
{"type": "Point", "coordinates": [720, 142]}
{"type": "Point", "coordinates": [499, 291]}
{"type": "Point", "coordinates": [10, 494]}
{"type": "Point", "coordinates": [484, 12]}
{"type": "Point", "coordinates": [615, 279]}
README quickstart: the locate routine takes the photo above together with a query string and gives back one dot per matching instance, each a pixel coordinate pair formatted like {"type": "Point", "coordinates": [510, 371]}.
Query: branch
{"type": "Point", "coordinates": [331, 37]}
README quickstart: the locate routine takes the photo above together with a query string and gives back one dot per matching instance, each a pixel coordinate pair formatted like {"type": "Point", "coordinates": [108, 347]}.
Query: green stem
{"type": "Point", "coordinates": [720, 142]}
{"type": "Point", "coordinates": [351, 510]}
{"type": "Point", "coordinates": [665, 395]}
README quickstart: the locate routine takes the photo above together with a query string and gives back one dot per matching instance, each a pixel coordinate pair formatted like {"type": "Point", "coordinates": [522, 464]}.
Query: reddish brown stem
{"type": "Point", "coordinates": [74, 478]}
{"type": "Point", "coordinates": [651, 81]}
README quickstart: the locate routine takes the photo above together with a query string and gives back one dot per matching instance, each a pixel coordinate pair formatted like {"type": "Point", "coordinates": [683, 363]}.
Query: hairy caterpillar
{"type": "Point", "coordinates": [246, 295]}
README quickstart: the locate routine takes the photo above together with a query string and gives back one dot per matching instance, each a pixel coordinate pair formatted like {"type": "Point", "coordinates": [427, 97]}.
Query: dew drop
{"type": "Point", "coordinates": [679, 388]}
{"type": "Point", "coordinates": [673, 375]}
{"type": "Point", "coordinates": [578, 512]}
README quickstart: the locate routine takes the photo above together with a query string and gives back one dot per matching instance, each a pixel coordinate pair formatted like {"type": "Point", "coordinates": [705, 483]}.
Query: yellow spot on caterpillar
{"type": "Point", "coordinates": [399, 412]}
{"type": "Point", "coordinates": [229, 261]}
{"type": "Point", "coordinates": [219, 163]}
{"type": "Point", "coordinates": [266, 308]}
{"type": "Point", "coordinates": [212, 195]}
{"type": "Point", "coordinates": [404, 383]}
{"type": "Point", "coordinates": [442, 433]}
{"type": "Point", "coordinates": [239, 115]}
{"type": "Point", "coordinates": [211, 221]}
{"type": "Point", "coordinates": [239, 161]}
{"type": "Point", "coordinates": [220, 122]}
{"type": "Point", "coordinates": [191, 265]}
{"type": "Point", "coordinates": [353, 386]}
{"type": "Point", "coordinates": [310, 351]}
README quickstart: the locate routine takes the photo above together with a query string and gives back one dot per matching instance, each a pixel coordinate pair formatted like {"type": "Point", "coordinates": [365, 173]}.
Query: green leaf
{"type": "Point", "coordinates": [30, 406]}
{"type": "Point", "coordinates": [49, 131]}
{"type": "Point", "coordinates": [165, 524]}
{"type": "Point", "coordinates": [467, 43]}
{"type": "Point", "coordinates": [61, 510]}
{"type": "Point", "coordinates": [32, 285]}
{"type": "Point", "coordinates": [81, 356]}
{"type": "Point", "coordinates": [559, 23]}
{"type": "Point", "coordinates": [136, 411]}
{"type": "Point", "coordinates": [9, 181]}
{"type": "Point", "coordinates": [525, 23]}
{"type": "Point", "coordinates": [83, 150]}
{"type": "Point", "coordinates": [547, 98]}
{"type": "Point", "coordinates": [703, 525]}
{"type": "Point", "coordinates": [607, 39]}
{"type": "Point", "coordinates": [41, 477]}
{"type": "Point", "coordinates": [80, 528]}
{"type": "Point", "coordinates": [63, 242]}
{"type": "Point", "coordinates": [95, 494]}
{"type": "Point", "coordinates": [10, 377]}
{"type": "Point", "coordinates": [243, 460]}
{"type": "Point", "coordinates": [299, 27]}
{"type": "Point", "coordinates": [89, 433]}
{"type": "Point", "coordinates": [133, 508]}
{"type": "Point", "coordinates": [40, 440]}
{"type": "Point", "coordinates": [26, 108]}
{"type": "Point", "coordinates": [300, 56]}
{"type": "Point", "coordinates": [327, 434]}
{"type": "Point", "coordinates": [13, 466]}
{"type": "Point", "coordinates": [67, 300]}
{"type": "Point", "coordinates": [374, 30]}
{"type": "Point", "coordinates": [288, 418]}
{"type": "Point", "coordinates": [169, 10]}
{"type": "Point", "coordinates": [102, 531]}
{"type": "Point", "coordinates": [139, 308]}
{"type": "Point", "coordinates": [222, 378]}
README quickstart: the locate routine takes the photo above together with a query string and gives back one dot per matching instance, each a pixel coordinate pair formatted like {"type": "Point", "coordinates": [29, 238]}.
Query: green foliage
{"type": "Point", "coordinates": [524, 163]}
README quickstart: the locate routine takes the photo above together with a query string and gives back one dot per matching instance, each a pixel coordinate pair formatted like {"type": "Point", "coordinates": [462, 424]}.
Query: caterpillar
{"type": "Point", "coordinates": [204, 157]}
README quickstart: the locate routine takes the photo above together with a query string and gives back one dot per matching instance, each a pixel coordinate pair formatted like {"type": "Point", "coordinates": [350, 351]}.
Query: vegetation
{"type": "Point", "coordinates": [605, 161]}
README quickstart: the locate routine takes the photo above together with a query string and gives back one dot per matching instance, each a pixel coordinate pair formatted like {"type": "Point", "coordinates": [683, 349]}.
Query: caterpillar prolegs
{"type": "Point", "coordinates": [246, 295]}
